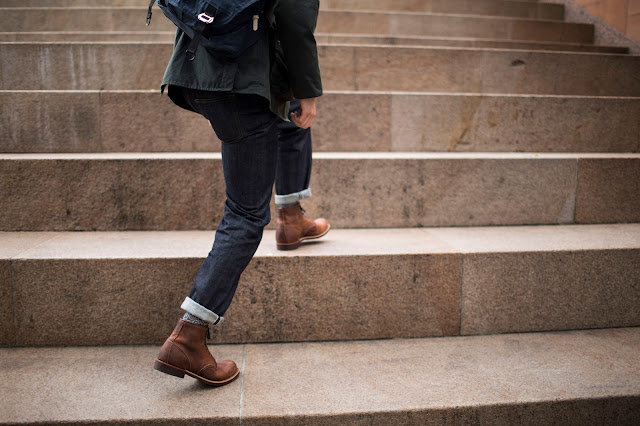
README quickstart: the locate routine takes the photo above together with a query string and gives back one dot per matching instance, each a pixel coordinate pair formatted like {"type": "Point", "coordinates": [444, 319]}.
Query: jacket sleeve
{"type": "Point", "coordinates": [296, 22]}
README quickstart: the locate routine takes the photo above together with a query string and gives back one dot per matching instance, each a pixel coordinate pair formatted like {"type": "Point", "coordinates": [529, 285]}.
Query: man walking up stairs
{"type": "Point", "coordinates": [479, 161]}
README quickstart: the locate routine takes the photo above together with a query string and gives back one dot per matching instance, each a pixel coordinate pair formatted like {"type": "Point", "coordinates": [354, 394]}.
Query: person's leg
{"type": "Point", "coordinates": [248, 131]}
{"type": "Point", "coordinates": [294, 162]}
{"type": "Point", "coordinates": [292, 185]}
{"type": "Point", "coordinates": [249, 138]}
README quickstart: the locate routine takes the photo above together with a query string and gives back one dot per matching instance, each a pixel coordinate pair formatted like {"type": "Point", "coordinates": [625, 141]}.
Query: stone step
{"type": "Point", "coordinates": [132, 191]}
{"type": "Point", "coordinates": [137, 66]}
{"type": "Point", "coordinates": [431, 24]}
{"type": "Point", "coordinates": [383, 23]}
{"type": "Point", "coordinates": [570, 378]}
{"type": "Point", "coordinates": [322, 38]}
{"type": "Point", "coordinates": [524, 9]}
{"type": "Point", "coordinates": [334, 38]}
{"type": "Point", "coordinates": [104, 121]}
{"type": "Point", "coordinates": [369, 283]}
{"type": "Point", "coordinates": [77, 3]}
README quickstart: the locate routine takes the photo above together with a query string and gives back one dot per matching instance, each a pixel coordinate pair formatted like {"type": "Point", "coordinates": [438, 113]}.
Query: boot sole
{"type": "Point", "coordinates": [179, 372]}
{"type": "Point", "coordinates": [295, 245]}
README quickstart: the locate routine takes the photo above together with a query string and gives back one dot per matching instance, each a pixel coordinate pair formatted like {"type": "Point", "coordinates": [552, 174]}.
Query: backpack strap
{"type": "Point", "coordinates": [204, 19]}
{"type": "Point", "coordinates": [149, 12]}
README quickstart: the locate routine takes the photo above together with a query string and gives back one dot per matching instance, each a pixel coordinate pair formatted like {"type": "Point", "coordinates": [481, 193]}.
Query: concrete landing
{"type": "Point", "coordinates": [569, 378]}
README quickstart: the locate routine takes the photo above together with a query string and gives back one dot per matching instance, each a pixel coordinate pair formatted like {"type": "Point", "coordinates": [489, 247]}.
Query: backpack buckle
{"type": "Point", "coordinates": [203, 17]}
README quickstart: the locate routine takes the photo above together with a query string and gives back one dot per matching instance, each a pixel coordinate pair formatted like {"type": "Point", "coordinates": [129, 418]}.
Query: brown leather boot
{"type": "Point", "coordinates": [292, 228]}
{"type": "Point", "coordinates": [185, 351]}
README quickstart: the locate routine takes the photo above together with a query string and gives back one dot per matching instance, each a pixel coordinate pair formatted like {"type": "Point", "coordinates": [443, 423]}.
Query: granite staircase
{"type": "Point", "coordinates": [479, 161]}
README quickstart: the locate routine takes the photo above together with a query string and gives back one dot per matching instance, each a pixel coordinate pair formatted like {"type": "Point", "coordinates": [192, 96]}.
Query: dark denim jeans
{"type": "Point", "coordinates": [294, 161]}
{"type": "Point", "coordinates": [257, 147]}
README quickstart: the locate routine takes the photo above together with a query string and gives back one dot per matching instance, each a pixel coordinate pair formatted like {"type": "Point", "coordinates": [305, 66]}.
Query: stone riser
{"type": "Point", "coordinates": [379, 23]}
{"type": "Point", "coordinates": [569, 378]}
{"type": "Point", "coordinates": [186, 191]}
{"type": "Point", "coordinates": [523, 9]}
{"type": "Point", "coordinates": [328, 38]}
{"type": "Point", "coordinates": [399, 24]}
{"type": "Point", "coordinates": [104, 122]}
{"type": "Point", "coordinates": [394, 283]}
{"type": "Point", "coordinates": [115, 66]}
{"type": "Point", "coordinates": [322, 38]}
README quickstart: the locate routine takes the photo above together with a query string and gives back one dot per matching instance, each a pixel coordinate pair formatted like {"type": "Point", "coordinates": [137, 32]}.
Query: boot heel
{"type": "Point", "coordinates": [167, 369]}
{"type": "Point", "coordinates": [291, 246]}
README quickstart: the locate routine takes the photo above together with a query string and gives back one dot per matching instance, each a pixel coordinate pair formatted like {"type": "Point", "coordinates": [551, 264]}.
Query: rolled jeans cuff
{"type": "Point", "coordinates": [194, 308]}
{"type": "Point", "coordinates": [292, 198]}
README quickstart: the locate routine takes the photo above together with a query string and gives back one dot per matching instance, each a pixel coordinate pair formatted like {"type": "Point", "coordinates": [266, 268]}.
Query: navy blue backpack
{"type": "Point", "coordinates": [225, 27]}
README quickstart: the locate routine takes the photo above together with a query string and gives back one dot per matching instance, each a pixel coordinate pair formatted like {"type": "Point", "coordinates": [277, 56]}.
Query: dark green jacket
{"type": "Point", "coordinates": [275, 67]}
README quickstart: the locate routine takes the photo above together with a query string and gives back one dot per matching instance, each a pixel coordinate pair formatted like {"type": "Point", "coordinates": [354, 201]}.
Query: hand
{"type": "Point", "coordinates": [304, 117]}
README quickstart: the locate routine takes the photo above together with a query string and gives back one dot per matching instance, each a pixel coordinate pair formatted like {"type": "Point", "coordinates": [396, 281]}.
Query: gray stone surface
{"type": "Point", "coordinates": [521, 72]}
{"type": "Point", "coordinates": [534, 239]}
{"type": "Point", "coordinates": [370, 289]}
{"type": "Point", "coordinates": [346, 297]}
{"type": "Point", "coordinates": [74, 3]}
{"type": "Point", "coordinates": [404, 69]}
{"type": "Point", "coordinates": [412, 24]}
{"type": "Point", "coordinates": [477, 71]}
{"type": "Point", "coordinates": [117, 193]}
{"type": "Point", "coordinates": [451, 122]}
{"type": "Point", "coordinates": [511, 29]}
{"type": "Point", "coordinates": [136, 121]}
{"type": "Point", "coordinates": [98, 18]}
{"type": "Point", "coordinates": [186, 191]}
{"type": "Point", "coordinates": [321, 38]}
{"type": "Point", "coordinates": [98, 121]}
{"type": "Point", "coordinates": [7, 330]}
{"type": "Point", "coordinates": [407, 190]}
{"type": "Point", "coordinates": [115, 385]}
{"type": "Point", "coordinates": [519, 292]}
{"type": "Point", "coordinates": [371, 283]}
{"type": "Point", "coordinates": [12, 245]}
{"type": "Point", "coordinates": [329, 38]}
{"type": "Point", "coordinates": [136, 66]}
{"type": "Point", "coordinates": [132, 121]}
{"type": "Point", "coordinates": [82, 66]}
{"type": "Point", "coordinates": [40, 121]}
{"type": "Point", "coordinates": [571, 378]}
{"type": "Point", "coordinates": [608, 193]}
{"type": "Point", "coordinates": [353, 122]}
{"type": "Point", "coordinates": [15, 244]}
{"type": "Point", "coordinates": [97, 301]}
{"type": "Point", "coordinates": [87, 36]}
{"type": "Point", "coordinates": [488, 379]}
{"type": "Point", "coordinates": [363, 22]}
{"type": "Point", "coordinates": [528, 9]}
